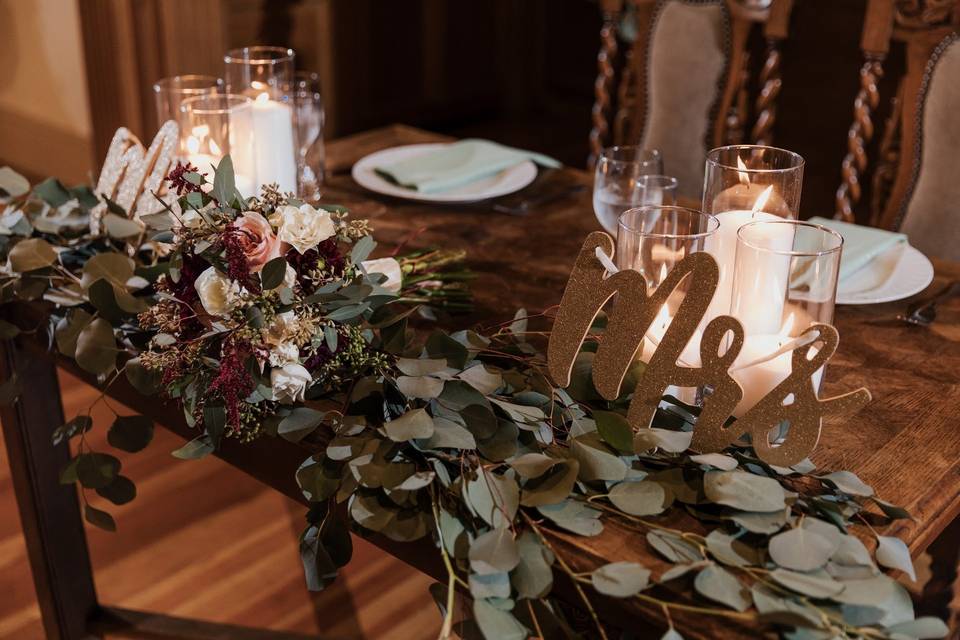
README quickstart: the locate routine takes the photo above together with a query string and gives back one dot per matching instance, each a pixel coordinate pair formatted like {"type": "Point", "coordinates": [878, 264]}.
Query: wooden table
{"type": "Point", "coordinates": [906, 443]}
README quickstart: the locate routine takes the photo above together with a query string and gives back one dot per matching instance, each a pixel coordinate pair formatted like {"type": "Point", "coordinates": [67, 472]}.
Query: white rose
{"type": "Point", "coordinates": [388, 267]}
{"type": "Point", "coordinates": [289, 382]}
{"type": "Point", "coordinates": [283, 354]}
{"type": "Point", "coordinates": [304, 228]}
{"type": "Point", "coordinates": [218, 294]}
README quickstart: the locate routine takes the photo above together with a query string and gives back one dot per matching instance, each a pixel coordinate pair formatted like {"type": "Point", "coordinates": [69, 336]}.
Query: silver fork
{"type": "Point", "coordinates": [922, 313]}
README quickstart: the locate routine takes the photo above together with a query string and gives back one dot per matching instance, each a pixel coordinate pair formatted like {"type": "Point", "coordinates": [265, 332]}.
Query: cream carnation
{"type": "Point", "coordinates": [303, 228]}
{"type": "Point", "coordinates": [289, 382]}
{"type": "Point", "coordinates": [218, 294]}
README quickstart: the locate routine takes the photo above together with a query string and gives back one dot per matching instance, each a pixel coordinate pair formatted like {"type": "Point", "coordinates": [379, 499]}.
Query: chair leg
{"type": "Point", "coordinates": [861, 132]}
{"type": "Point", "coordinates": [939, 591]}
{"type": "Point", "coordinates": [49, 511]}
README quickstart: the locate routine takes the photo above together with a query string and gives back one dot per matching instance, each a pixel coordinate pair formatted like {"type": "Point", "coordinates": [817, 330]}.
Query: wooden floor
{"type": "Point", "coordinates": [203, 540]}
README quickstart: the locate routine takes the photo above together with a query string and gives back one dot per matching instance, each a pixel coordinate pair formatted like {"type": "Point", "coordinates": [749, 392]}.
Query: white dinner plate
{"type": "Point", "coordinates": [507, 181]}
{"type": "Point", "coordinates": [898, 273]}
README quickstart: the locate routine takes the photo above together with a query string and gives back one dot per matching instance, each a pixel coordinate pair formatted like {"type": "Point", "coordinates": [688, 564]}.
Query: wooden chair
{"type": "Point", "coordinates": [681, 84]}
{"type": "Point", "coordinates": [916, 181]}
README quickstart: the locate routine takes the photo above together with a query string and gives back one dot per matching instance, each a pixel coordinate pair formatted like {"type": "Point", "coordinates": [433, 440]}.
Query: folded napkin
{"type": "Point", "coordinates": [860, 244]}
{"type": "Point", "coordinates": [457, 164]}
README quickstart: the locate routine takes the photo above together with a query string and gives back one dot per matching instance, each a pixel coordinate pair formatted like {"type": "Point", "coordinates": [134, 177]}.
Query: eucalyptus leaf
{"type": "Point", "coordinates": [494, 551]}
{"type": "Point", "coordinates": [552, 487]}
{"type": "Point", "coordinates": [532, 465]}
{"type": "Point", "coordinates": [744, 491]}
{"type": "Point", "coordinates": [130, 433]}
{"type": "Point", "coordinates": [271, 276]}
{"type": "Point", "coordinates": [597, 460]}
{"type": "Point", "coordinates": [664, 439]}
{"type": "Point", "coordinates": [718, 584]}
{"type": "Point", "coordinates": [801, 549]}
{"type": "Point", "coordinates": [195, 449]}
{"type": "Point", "coordinates": [120, 491]}
{"type": "Point", "coordinates": [733, 550]}
{"type": "Point", "coordinates": [815, 585]}
{"type": "Point", "coordinates": [894, 554]}
{"type": "Point", "coordinates": [31, 254]}
{"type": "Point", "coordinates": [921, 628]}
{"type": "Point", "coordinates": [574, 516]}
{"type": "Point", "coordinates": [421, 366]}
{"type": "Point", "coordinates": [620, 579]}
{"type": "Point", "coordinates": [99, 518]}
{"type": "Point", "coordinates": [301, 422]}
{"type": "Point", "coordinates": [533, 576]}
{"type": "Point", "coordinates": [422, 387]}
{"type": "Point", "coordinates": [719, 460]}
{"type": "Point", "coordinates": [492, 585]}
{"type": "Point", "coordinates": [481, 379]}
{"type": "Point", "coordinates": [411, 425]}
{"type": "Point", "coordinates": [673, 547]}
{"type": "Point", "coordinates": [96, 470]}
{"type": "Point", "coordinates": [642, 498]}
{"type": "Point", "coordinates": [848, 482]}
{"type": "Point", "coordinates": [12, 183]}
{"type": "Point", "coordinates": [76, 426]}
{"type": "Point", "coordinates": [448, 435]}
{"type": "Point", "coordinates": [493, 497]}
{"type": "Point", "coordinates": [96, 347]}
{"type": "Point", "coordinates": [615, 430]}
{"type": "Point", "coordinates": [121, 228]}
{"type": "Point", "coordinates": [496, 624]}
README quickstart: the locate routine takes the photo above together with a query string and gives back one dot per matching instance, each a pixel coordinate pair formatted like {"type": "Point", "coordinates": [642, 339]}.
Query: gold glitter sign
{"type": "Point", "coordinates": [131, 174]}
{"type": "Point", "coordinates": [793, 401]}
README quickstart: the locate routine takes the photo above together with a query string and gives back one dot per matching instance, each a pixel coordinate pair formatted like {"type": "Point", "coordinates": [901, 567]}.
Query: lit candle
{"type": "Point", "coordinates": [757, 373]}
{"type": "Point", "coordinates": [273, 147]}
{"type": "Point", "coordinates": [766, 275]}
{"type": "Point", "coordinates": [207, 162]}
{"type": "Point", "coordinates": [689, 357]}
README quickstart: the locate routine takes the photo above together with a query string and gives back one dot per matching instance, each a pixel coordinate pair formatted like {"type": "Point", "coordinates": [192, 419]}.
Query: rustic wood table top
{"type": "Point", "coordinates": [906, 443]}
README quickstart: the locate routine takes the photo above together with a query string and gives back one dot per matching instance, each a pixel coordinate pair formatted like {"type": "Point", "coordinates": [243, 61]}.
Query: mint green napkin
{"type": "Point", "coordinates": [457, 164]}
{"type": "Point", "coordinates": [860, 244]}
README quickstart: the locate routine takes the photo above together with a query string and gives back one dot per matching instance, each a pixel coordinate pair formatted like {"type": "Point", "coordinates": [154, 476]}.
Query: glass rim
{"type": "Point", "coordinates": [713, 159]}
{"type": "Point", "coordinates": [792, 252]}
{"type": "Point", "coordinates": [662, 178]}
{"type": "Point", "coordinates": [175, 83]}
{"type": "Point", "coordinates": [711, 221]}
{"type": "Point", "coordinates": [258, 54]}
{"type": "Point", "coordinates": [235, 101]}
{"type": "Point", "coordinates": [606, 152]}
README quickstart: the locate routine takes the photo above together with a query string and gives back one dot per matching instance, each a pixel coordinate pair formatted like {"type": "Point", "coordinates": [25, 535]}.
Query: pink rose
{"type": "Point", "coordinates": [259, 243]}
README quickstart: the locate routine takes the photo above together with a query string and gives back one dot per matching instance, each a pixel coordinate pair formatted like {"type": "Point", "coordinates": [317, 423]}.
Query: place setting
{"type": "Point", "coordinates": [706, 419]}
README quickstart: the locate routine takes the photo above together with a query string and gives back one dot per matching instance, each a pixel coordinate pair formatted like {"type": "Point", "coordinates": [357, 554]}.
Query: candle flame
{"type": "Point", "coordinates": [214, 148]}
{"type": "Point", "coordinates": [742, 172]}
{"type": "Point", "coordinates": [761, 200]}
{"type": "Point", "coordinates": [663, 272]}
{"type": "Point", "coordinates": [193, 145]}
{"type": "Point", "coordinates": [662, 320]}
{"type": "Point", "coordinates": [263, 98]}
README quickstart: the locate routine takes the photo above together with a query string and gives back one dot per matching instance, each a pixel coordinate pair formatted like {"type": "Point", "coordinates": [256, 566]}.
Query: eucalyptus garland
{"type": "Point", "coordinates": [459, 438]}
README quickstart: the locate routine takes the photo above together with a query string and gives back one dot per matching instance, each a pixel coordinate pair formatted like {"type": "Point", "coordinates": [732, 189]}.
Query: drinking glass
{"type": "Point", "coordinates": [652, 239]}
{"type": "Point", "coordinates": [266, 74]}
{"type": "Point", "coordinates": [656, 189]}
{"type": "Point", "coordinates": [169, 94]}
{"type": "Point", "coordinates": [785, 279]}
{"type": "Point", "coordinates": [308, 103]}
{"type": "Point", "coordinates": [218, 125]}
{"type": "Point", "coordinates": [743, 184]}
{"type": "Point", "coordinates": [615, 181]}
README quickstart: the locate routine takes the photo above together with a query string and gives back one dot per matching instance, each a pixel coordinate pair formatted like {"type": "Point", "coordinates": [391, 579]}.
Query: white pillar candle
{"type": "Point", "coordinates": [760, 379]}
{"type": "Point", "coordinates": [273, 144]}
{"type": "Point", "coordinates": [689, 357]}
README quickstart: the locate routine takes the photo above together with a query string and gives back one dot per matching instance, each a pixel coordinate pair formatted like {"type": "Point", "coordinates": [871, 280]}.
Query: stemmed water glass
{"type": "Point", "coordinates": [615, 185]}
{"type": "Point", "coordinates": [310, 119]}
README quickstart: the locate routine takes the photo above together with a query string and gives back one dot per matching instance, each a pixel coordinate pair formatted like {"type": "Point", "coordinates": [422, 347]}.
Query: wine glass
{"type": "Point", "coordinates": [310, 119]}
{"type": "Point", "coordinates": [615, 184]}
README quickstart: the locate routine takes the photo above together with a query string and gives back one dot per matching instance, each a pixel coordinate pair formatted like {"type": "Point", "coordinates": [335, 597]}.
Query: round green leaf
{"type": "Point", "coordinates": [494, 551]}
{"type": "Point", "coordinates": [744, 491]}
{"type": "Point", "coordinates": [411, 425]}
{"type": "Point", "coordinates": [120, 491]}
{"type": "Point", "coordinates": [130, 433]}
{"type": "Point", "coordinates": [31, 254]}
{"type": "Point", "coordinates": [642, 498]}
{"type": "Point", "coordinates": [96, 347]}
{"type": "Point", "coordinates": [718, 584]}
{"type": "Point", "coordinates": [615, 430]}
{"type": "Point", "coordinates": [620, 579]}
{"type": "Point", "coordinates": [801, 549]}
{"type": "Point", "coordinates": [815, 585]}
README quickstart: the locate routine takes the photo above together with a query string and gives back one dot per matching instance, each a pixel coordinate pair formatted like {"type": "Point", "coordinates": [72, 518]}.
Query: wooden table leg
{"type": "Point", "coordinates": [49, 512]}
{"type": "Point", "coordinates": [938, 593]}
